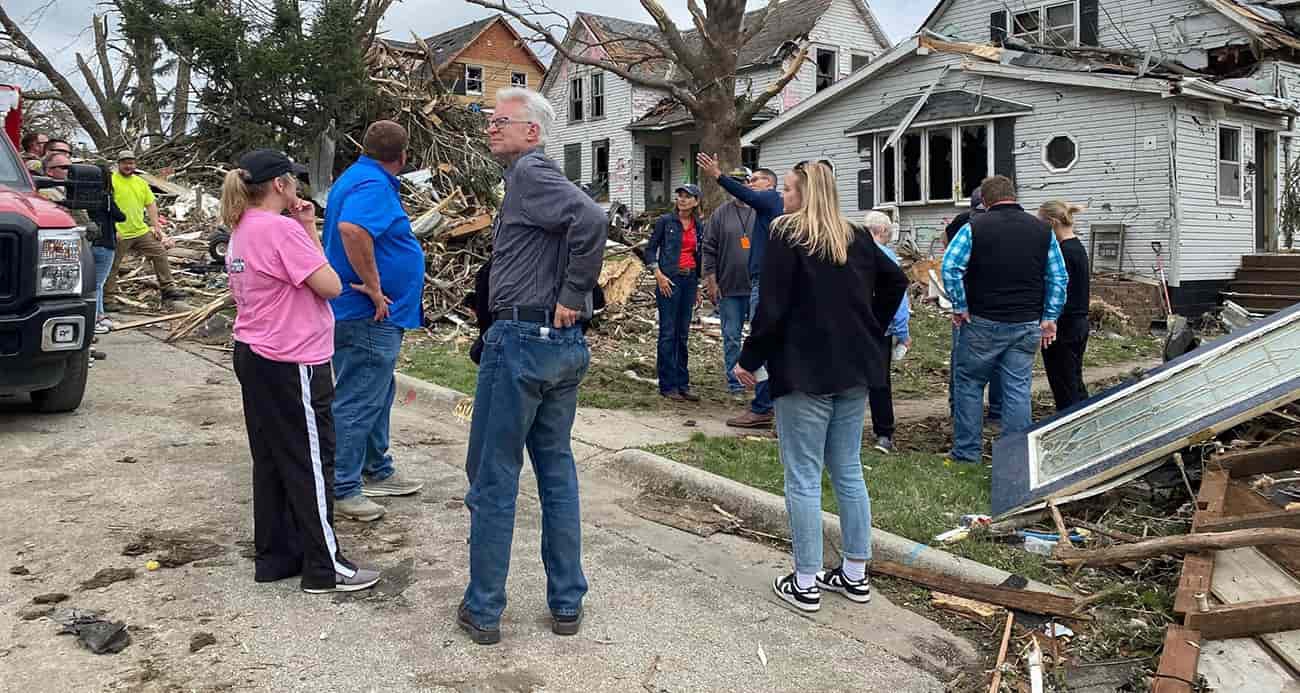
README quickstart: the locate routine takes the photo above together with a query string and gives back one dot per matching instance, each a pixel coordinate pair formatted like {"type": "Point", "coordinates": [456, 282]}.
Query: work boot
{"type": "Point", "coordinates": [689, 396]}
{"type": "Point", "coordinates": [395, 485]}
{"type": "Point", "coordinates": [362, 579]}
{"type": "Point", "coordinates": [751, 420]}
{"type": "Point", "coordinates": [360, 508]}
{"type": "Point", "coordinates": [481, 636]}
{"type": "Point", "coordinates": [566, 625]}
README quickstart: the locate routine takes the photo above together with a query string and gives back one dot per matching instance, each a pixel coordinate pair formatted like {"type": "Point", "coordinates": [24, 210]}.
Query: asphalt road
{"type": "Point", "coordinates": [159, 447]}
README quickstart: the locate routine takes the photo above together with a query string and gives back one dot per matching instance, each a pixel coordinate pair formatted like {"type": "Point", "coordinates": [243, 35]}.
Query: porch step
{"type": "Point", "coordinates": [1274, 260]}
{"type": "Point", "coordinates": [1268, 274]}
{"type": "Point", "coordinates": [1273, 288]}
{"type": "Point", "coordinates": [1260, 303]}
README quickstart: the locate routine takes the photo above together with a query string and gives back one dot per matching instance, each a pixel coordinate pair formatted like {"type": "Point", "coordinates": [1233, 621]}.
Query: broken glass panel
{"type": "Point", "coordinates": [1059, 27]}
{"type": "Point", "coordinates": [974, 157]}
{"type": "Point", "coordinates": [912, 167]}
{"type": "Point", "coordinates": [1024, 26]}
{"type": "Point", "coordinates": [888, 185]}
{"type": "Point", "coordinates": [940, 164]}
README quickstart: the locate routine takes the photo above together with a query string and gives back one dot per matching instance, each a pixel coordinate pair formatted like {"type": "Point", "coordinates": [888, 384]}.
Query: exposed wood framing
{"type": "Point", "coordinates": [1209, 502]}
{"type": "Point", "coordinates": [1196, 578]}
{"type": "Point", "coordinates": [1177, 668]}
{"type": "Point", "coordinates": [1266, 460]}
{"type": "Point", "coordinates": [1240, 500]}
{"type": "Point", "coordinates": [1273, 518]}
{"type": "Point", "coordinates": [1247, 618]}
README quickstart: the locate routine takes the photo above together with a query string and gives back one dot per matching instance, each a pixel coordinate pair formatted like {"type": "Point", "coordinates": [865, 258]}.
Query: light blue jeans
{"type": "Point", "coordinates": [733, 311]}
{"type": "Point", "coordinates": [365, 355]}
{"type": "Point", "coordinates": [103, 265]}
{"type": "Point", "coordinates": [990, 349]}
{"type": "Point", "coordinates": [817, 431]}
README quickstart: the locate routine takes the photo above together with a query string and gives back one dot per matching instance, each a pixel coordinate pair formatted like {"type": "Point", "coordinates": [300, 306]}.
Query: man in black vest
{"type": "Point", "coordinates": [1006, 278]}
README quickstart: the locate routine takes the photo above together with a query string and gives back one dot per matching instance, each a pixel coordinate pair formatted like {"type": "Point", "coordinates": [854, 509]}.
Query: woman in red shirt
{"type": "Point", "coordinates": [673, 254]}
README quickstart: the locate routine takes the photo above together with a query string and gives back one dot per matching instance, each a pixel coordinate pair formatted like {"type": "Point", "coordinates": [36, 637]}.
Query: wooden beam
{"type": "Point", "coordinates": [1272, 519]}
{"type": "Point", "coordinates": [151, 321]}
{"type": "Point", "coordinates": [1177, 669]}
{"type": "Point", "coordinates": [1024, 600]}
{"type": "Point", "coordinates": [1196, 578]}
{"type": "Point", "coordinates": [1182, 543]}
{"type": "Point", "coordinates": [1266, 460]}
{"type": "Point", "coordinates": [995, 685]}
{"type": "Point", "coordinates": [1241, 500]}
{"type": "Point", "coordinates": [1247, 618]}
{"type": "Point", "coordinates": [1209, 502]}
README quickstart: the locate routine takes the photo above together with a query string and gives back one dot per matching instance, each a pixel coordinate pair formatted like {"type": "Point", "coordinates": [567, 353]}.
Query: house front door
{"type": "Point", "coordinates": [1266, 184]}
{"type": "Point", "coordinates": [658, 177]}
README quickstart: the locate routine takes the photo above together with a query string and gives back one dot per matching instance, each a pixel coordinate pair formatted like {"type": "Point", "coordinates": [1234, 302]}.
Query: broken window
{"type": "Point", "coordinates": [1046, 25]}
{"type": "Point", "coordinates": [1024, 26]}
{"type": "Point", "coordinates": [575, 98]}
{"type": "Point", "coordinates": [1060, 153]}
{"type": "Point", "coordinates": [912, 188]}
{"type": "Point", "coordinates": [473, 79]}
{"type": "Point", "coordinates": [1058, 25]}
{"type": "Point", "coordinates": [573, 162]}
{"type": "Point", "coordinates": [939, 158]}
{"type": "Point", "coordinates": [598, 95]}
{"type": "Point", "coordinates": [749, 157]}
{"type": "Point", "coordinates": [888, 187]}
{"type": "Point", "coordinates": [519, 79]}
{"type": "Point", "coordinates": [825, 68]}
{"type": "Point", "coordinates": [600, 169]}
{"type": "Point", "coordinates": [975, 152]}
{"type": "Point", "coordinates": [1229, 163]}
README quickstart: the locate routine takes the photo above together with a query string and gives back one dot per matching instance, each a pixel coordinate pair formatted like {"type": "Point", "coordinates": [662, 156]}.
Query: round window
{"type": "Point", "coordinates": [1060, 153]}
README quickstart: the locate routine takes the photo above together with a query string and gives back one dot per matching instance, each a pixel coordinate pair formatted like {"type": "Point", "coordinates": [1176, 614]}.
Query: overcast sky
{"type": "Point", "coordinates": [62, 27]}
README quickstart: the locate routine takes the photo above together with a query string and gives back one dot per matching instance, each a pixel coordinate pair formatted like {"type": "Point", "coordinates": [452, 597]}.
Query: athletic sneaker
{"type": "Point", "coordinates": [395, 485]}
{"type": "Point", "coordinates": [884, 444]}
{"type": "Point", "coordinates": [362, 579]}
{"type": "Point", "coordinates": [359, 507]}
{"type": "Point", "coordinates": [787, 588]}
{"type": "Point", "coordinates": [103, 327]}
{"type": "Point", "coordinates": [835, 581]}
{"type": "Point", "coordinates": [566, 625]}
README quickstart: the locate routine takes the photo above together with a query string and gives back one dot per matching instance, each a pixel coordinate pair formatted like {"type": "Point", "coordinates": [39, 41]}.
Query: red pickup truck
{"type": "Point", "coordinates": [47, 282]}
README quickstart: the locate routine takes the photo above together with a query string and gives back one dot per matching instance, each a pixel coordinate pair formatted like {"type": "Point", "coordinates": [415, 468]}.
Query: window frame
{"type": "Point", "coordinates": [519, 83]}
{"type": "Point", "coordinates": [579, 101]}
{"type": "Point", "coordinates": [482, 77]}
{"type": "Point", "coordinates": [602, 193]}
{"type": "Point", "coordinates": [1240, 129]}
{"type": "Point", "coordinates": [835, 68]}
{"type": "Point", "coordinates": [1041, 30]}
{"type": "Point", "coordinates": [593, 78]}
{"type": "Point", "coordinates": [856, 55]}
{"type": "Point", "coordinates": [1048, 164]}
{"type": "Point", "coordinates": [954, 129]}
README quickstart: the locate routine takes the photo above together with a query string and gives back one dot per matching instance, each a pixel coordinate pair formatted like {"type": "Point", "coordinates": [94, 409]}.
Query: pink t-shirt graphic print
{"type": "Point", "coordinates": [269, 260]}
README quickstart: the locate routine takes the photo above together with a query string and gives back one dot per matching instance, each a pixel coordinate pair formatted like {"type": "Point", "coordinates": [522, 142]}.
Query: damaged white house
{"type": "Point", "coordinates": [1171, 120]}
{"type": "Point", "coordinates": [635, 145]}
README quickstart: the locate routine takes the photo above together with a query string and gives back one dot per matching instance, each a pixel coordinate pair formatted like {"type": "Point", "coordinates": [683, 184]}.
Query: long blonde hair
{"type": "Point", "coordinates": [1059, 213]}
{"type": "Point", "coordinates": [237, 196]}
{"type": "Point", "coordinates": [817, 227]}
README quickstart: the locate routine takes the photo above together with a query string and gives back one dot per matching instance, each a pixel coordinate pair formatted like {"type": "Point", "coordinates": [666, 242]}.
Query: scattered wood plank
{"type": "Point", "coordinates": [967, 607]}
{"type": "Point", "coordinates": [1177, 669]}
{"type": "Point", "coordinates": [1241, 500]}
{"type": "Point", "coordinates": [1002, 653]}
{"type": "Point", "coordinates": [1266, 460]}
{"type": "Point", "coordinates": [1245, 575]}
{"type": "Point", "coordinates": [149, 321]}
{"type": "Point", "coordinates": [1196, 578]}
{"type": "Point", "coordinates": [1185, 543]}
{"type": "Point", "coordinates": [1247, 619]}
{"type": "Point", "coordinates": [1024, 600]}
{"type": "Point", "coordinates": [1106, 531]}
{"type": "Point", "coordinates": [1209, 502]}
{"type": "Point", "coordinates": [198, 316]}
{"type": "Point", "coordinates": [467, 227]}
{"type": "Point", "coordinates": [1272, 518]}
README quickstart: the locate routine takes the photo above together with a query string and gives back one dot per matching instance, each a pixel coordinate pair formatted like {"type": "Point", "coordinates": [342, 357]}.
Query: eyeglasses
{"type": "Point", "coordinates": [500, 123]}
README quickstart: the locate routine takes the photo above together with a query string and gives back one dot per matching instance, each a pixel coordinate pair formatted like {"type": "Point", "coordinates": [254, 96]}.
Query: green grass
{"type": "Point", "coordinates": [914, 495]}
{"type": "Point", "coordinates": [444, 363]}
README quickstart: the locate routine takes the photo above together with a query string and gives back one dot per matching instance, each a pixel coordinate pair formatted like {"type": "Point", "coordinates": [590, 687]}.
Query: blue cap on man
{"type": "Point", "coordinates": [689, 189]}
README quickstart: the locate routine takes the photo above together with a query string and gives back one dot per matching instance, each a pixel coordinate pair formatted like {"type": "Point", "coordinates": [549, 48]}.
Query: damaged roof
{"type": "Point", "coordinates": [448, 45]}
{"type": "Point", "coordinates": [670, 114]}
{"type": "Point", "coordinates": [941, 106]}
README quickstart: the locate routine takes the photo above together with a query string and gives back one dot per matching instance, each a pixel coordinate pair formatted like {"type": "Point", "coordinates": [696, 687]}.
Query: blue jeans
{"type": "Point", "coordinates": [995, 384]}
{"type": "Point", "coordinates": [816, 431]}
{"type": "Point", "coordinates": [103, 264]}
{"type": "Point", "coordinates": [527, 396]}
{"type": "Point", "coordinates": [365, 355]}
{"type": "Point", "coordinates": [675, 332]}
{"type": "Point", "coordinates": [734, 311]}
{"type": "Point", "coordinates": [988, 347]}
{"type": "Point", "coordinates": [762, 403]}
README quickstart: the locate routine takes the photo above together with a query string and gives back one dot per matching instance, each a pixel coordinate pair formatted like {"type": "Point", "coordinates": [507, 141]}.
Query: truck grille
{"type": "Point", "coordinates": [9, 266]}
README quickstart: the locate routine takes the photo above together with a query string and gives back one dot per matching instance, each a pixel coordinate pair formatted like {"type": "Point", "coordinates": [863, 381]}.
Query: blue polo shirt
{"type": "Point", "coordinates": [367, 195]}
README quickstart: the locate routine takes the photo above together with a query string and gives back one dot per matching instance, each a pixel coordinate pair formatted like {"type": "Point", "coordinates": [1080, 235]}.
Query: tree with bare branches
{"type": "Point", "coordinates": [696, 67]}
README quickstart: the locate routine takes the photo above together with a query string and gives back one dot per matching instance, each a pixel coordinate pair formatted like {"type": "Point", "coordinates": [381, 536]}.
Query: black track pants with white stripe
{"type": "Point", "coordinates": [291, 436]}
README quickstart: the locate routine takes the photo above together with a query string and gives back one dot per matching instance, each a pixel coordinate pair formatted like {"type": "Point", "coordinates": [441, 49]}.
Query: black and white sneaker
{"type": "Point", "coordinates": [787, 588]}
{"type": "Point", "coordinates": [835, 581]}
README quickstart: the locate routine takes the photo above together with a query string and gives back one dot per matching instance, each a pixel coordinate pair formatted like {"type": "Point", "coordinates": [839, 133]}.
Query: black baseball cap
{"type": "Point", "coordinates": [261, 165]}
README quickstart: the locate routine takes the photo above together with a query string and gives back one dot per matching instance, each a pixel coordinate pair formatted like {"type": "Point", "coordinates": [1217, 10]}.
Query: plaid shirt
{"type": "Point", "coordinates": [957, 258]}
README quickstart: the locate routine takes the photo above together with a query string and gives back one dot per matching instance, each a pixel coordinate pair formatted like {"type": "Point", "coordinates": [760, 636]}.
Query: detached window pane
{"type": "Point", "coordinates": [912, 167]}
{"type": "Point", "coordinates": [940, 160]}
{"type": "Point", "coordinates": [974, 157]}
{"type": "Point", "coordinates": [888, 186]}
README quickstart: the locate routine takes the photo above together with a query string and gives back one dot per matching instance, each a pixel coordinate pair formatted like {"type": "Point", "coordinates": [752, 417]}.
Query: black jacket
{"type": "Point", "coordinates": [107, 218]}
{"type": "Point", "coordinates": [665, 247]}
{"type": "Point", "coordinates": [819, 325]}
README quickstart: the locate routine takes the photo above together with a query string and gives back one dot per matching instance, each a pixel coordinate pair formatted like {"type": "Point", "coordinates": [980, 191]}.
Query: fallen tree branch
{"type": "Point", "coordinates": [1186, 543]}
{"type": "Point", "coordinates": [1023, 600]}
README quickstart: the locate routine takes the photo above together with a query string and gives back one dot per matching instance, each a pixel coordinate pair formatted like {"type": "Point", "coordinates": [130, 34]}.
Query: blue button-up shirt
{"type": "Point", "coordinates": [956, 259]}
{"type": "Point", "coordinates": [367, 195]}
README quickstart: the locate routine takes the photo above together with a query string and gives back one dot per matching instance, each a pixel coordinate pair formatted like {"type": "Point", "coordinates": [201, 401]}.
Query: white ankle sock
{"type": "Point", "coordinates": [805, 582]}
{"type": "Point", "coordinates": [854, 570]}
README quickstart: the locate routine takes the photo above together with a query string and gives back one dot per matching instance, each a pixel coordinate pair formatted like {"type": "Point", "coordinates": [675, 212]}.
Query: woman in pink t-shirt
{"type": "Point", "coordinates": [284, 338]}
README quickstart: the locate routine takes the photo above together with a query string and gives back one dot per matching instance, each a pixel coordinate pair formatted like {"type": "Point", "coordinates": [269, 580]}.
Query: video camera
{"type": "Point", "coordinates": [84, 187]}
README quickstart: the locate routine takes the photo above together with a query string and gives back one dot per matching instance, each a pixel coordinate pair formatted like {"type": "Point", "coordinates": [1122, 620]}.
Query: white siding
{"type": "Point", "coordinates": [1122, 174]}
{"type": "Point", "coordinates": [844, 28]}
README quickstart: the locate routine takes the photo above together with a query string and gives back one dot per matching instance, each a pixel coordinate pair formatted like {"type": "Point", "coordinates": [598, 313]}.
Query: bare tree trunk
{"type": "Point", "coordinates": [144, 56]}
{"type": "Point", "coordinates": [719, 135]}
{"type": "Point", "coordinates": [181, 98]}
{"type": "Point", "coordinates": [104, 88]}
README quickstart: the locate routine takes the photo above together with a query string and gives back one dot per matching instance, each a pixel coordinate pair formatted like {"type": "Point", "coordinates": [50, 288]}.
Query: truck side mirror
{"type": "Point", "coordinates": [45, 182]}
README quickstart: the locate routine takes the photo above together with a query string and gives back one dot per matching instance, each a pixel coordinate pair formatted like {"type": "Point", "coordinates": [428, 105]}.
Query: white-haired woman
{"type": "Point", "coordinates": [881, 397]}
{"type": "Point", "coordinates": [828, 292]}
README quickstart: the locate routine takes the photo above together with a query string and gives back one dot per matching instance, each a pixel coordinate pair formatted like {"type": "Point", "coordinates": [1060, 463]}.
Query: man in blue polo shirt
{"type": "Point", "coordinates": [368, 241]}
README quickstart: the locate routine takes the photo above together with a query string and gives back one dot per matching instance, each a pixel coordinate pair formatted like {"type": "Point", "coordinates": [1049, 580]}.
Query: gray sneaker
{"type": "Point", "coordinates": [362, 579]}
{"type": "Point", "coordinates": [395, 485]}
{"type": "Point", "coordinates": [359, 507]}
{"type": "Point", "coordinates": [884, 444]}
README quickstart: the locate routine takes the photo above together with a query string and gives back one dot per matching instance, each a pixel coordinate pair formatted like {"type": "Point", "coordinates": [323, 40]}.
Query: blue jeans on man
{"type": "Point", "coordinates": [527, 397]}
{"type": "Point", "coordinates": [733, 311]}
{"type": "Point", "coordinates": [994, 387]}
{"type": "Point", "coordinates": [816, 432]}
{"type": "Point", "coordinates": [986, 348]}
{"type": "Point", "coordinates": [762, 403]}
{"type": "Point", "coordinates": [674, 333]}
{"type": "Point", "coordinates": [365, 355]}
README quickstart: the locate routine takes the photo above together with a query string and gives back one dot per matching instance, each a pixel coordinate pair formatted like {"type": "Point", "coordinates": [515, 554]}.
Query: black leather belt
{"type": "Point", "coordinates": [541, 316]}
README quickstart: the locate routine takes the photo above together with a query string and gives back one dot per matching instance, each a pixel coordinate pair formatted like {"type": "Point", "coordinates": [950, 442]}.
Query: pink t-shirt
{"type": "Point", "coordinates": [280, 317]}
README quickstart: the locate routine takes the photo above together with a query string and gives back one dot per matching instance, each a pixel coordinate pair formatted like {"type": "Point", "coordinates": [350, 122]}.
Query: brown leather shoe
{"type": "Point", "coordinates": [751, 420]}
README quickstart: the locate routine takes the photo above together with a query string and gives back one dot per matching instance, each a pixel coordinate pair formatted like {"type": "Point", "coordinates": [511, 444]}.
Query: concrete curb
{"type": "Point", "coordinates": [411, 390]}
{"type": "Point", "coordinates": [766, 512]}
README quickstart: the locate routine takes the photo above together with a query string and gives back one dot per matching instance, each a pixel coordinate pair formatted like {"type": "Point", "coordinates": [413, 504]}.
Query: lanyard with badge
{"type": "Point", "coordinates": [744, 237]}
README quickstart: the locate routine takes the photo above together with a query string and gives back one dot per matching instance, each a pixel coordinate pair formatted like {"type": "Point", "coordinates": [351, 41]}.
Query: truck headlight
{"type": "Point", "coordinates": [58, 263]}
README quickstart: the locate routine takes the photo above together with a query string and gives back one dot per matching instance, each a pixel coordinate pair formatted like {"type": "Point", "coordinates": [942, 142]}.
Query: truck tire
{"type": "Point", "coordinates": [66, 396]}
